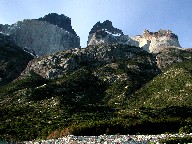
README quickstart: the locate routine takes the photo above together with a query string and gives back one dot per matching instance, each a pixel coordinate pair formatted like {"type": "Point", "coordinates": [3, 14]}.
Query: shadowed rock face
{"type": "Point", "coordinates": [13, 60]}
{"type": "Point", "coordinates": [61, 21]}
{"type": "Point", "coordinates": [47, 35]}
{"type": "Point", "coordinates": [104, 33]}
{"type": "Point", "coordinates": [106, 25]}
{"type": "Point", "coordinates": [154, 42]}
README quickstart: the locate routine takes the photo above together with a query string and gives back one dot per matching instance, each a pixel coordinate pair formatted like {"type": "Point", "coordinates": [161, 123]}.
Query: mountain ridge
{"type": "Point", "coordinates": [105, 33]}
{"type": "Point", "coordinates": [42, 36]}
{"type": "Point", "coordinates": [117, 84]}
{"type": "Point", "coordinates": [61, 21]}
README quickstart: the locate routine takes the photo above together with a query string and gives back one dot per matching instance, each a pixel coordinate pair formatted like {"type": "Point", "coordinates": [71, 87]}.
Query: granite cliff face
{"type": "Point", "coordinates": [13, 60]}
{"type": "Point", "coordinates": [154, 42]}
{"type": "Point", "coordinates": [43, 36]}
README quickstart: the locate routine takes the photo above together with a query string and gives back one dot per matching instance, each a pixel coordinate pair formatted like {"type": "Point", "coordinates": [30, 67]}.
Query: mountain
{"type": "Point", "coordinates": [173, 86]}
{"type": "Point", "coordinates": [96, 90]}
{"type": "Point", "coordinates": [13, 59]}
{"type": "Point", "coordinates": [154, 42]}
{"type": "Point", "coordinates": [117, 84]}
{"type": "Point", "coordinates": [170, 55]}
{"type": "Point", "coordinates": [170, 88]}
{"type": "Point", "coordinates": [43, 36]}
{"type": "Point", "coordinates": [165, 101]}
{"type": "Point", "coordinates": [61, 21]}
{"type": "Point", "coordinates": [105, 33]}
{"type": "Point", "coordinates": [57, 64]}
{"type": "Point", "coordinates": [87, 84]}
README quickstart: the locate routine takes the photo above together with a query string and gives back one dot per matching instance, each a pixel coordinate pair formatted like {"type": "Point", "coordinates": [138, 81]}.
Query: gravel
{"type": "Point", "coordinates": [107, 139]}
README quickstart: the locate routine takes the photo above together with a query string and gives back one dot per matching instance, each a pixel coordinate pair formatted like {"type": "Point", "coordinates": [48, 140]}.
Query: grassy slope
{"type": "Point", "coordinates": [164, 101]}
{"type": "Point", "coordinates": [171, 88]}
{"type": "Point", "coordinates": [84, 103]}
{"type": "Point", "coordinates": [13, 60]}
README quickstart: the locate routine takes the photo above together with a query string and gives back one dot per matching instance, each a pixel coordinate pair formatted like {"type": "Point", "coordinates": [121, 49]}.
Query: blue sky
{"type": "Point", "coordinates": [131, 16]}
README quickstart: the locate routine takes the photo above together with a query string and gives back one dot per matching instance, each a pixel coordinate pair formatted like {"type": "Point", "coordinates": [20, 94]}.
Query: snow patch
{"type": "Point", "coordinates": [113, 34]}
{"type": "Point", "coordinates": [29, 52]}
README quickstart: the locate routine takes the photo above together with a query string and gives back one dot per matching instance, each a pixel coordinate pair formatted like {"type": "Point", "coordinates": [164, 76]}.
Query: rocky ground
{"type": "Point", "coordinates": [109, 139]}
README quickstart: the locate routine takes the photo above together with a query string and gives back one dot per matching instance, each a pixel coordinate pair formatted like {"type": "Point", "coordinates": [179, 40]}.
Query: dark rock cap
{"type": "Point", "coordinates": [61, 21]}
{"type": "Point", "coordinates": [105, 25]}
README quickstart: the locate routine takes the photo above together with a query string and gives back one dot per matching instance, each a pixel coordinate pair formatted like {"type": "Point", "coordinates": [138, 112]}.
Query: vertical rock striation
{"type": "Point", "coordinates": [43, 36]}
{"type": "Point", "coordinates": [155, 41]}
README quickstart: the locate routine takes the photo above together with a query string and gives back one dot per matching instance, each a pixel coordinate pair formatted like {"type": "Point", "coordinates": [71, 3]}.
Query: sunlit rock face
{"type": "Point", "coordinates": [43, 36]}
{"type": "Point", "coordinates": [154, 42]}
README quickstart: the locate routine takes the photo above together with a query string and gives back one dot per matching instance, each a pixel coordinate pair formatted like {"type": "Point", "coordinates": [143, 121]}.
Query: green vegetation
{"type": "Point", "coordinates": [123, 96]}
{"type": "Point", "coordinates": [171, 88]}
{"type": "Point", "coordinates": [13, 60]}
{"type": "Point", "coordinates": [174, 140]}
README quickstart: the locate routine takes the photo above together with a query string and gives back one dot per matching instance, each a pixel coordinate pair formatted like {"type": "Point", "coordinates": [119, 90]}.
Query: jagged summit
{"type": "Point", "coordinates": [114, 87]}
{"type": "Point", "coordinates": [107, 26]}
{"type": "Point", "coordinates": [160, 33]}
{"type": "Point", "coordinates": [104, 33]}
{"type": "Point", "coordinates": [43, 36]}
{"type": "Point", "coordinates": [154, 42]}
{"type": "Point", "coordinates": [61, 21]}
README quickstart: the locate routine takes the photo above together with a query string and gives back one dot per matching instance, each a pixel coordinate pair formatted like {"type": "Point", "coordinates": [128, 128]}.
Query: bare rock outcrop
{"type": "Point", "coordinates": [43, 36]}
{"type": "Point", "coordinates": [172, 55]}
{"type": "Point", "coordinates": [105, 33]}
{"type": "Point", "coordinates": [154, 42]}
{"type": "Point", "coordinates": [58, 64]}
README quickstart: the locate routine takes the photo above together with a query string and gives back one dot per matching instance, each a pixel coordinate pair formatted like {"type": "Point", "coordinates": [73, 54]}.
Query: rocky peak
{"type": "Point", "coordinates": [44, 36]}
{"type": "Point", "coordinates": [107, 26]}
{"type": "Point", "coordinates": [61, 21]}
{"type": "Point", "coordinates": [167, 33]}
{"type": "Point", "coordinates": [189, 49]}
{"type": "Point", "coordinates": [154, 42]}
{"type": "Point", "coordinates": [104, 33]}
